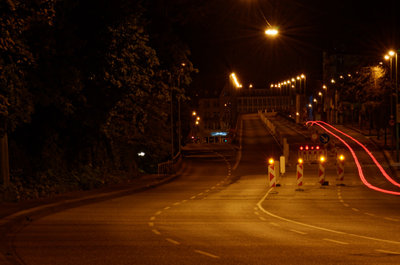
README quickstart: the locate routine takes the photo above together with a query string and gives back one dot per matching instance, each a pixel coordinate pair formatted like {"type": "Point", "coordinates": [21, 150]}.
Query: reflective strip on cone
{"type": "Point", "coordinates": [299, 174]}
{"type": "Point", "coordinates": [271, 175]}
{"type": "Point", "coordinates": [321, 173]}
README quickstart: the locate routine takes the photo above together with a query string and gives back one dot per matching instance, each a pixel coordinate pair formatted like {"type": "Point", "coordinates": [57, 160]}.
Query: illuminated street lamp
{"type": "Point", "coordinates": [394, 54]}
{"type": "Point", "coordinates": [272, 32]}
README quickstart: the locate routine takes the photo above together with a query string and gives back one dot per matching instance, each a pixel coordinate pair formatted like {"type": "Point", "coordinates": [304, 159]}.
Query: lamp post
{"type": "Point", "coordinates": [394, 54]}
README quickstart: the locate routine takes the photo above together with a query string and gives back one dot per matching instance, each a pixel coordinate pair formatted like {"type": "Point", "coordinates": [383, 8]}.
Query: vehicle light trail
{"type": "Point", "coordinates": [386, 175]}
{"type": "Point", "coordinates": [360, 172]}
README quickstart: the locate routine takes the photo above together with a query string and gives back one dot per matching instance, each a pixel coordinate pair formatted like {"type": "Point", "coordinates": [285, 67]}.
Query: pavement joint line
{"type": "Point", "coordinates": [298, 232]}
{"type": "Point", "coordinates": [155, 231]}
{"type": "Point", "coordinates": [151, 224]}
{"type": "Point", "coordinates": [172, 241]}
{"type": "Point", "coordinates": [336, 241]}
{"type": "Point", "coordinates": [387, 252]}
{"type": "Point", "coordinates": [206, 254]}
{"type": "Point", "coordinates": [318, 227]}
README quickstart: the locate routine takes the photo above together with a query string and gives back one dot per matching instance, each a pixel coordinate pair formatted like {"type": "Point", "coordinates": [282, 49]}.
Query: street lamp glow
{"type": "Point", "coordinates": [271, 32]}
{"type": "Point", "coordinates": [235, 80]}
{"type": "Point", "coordinates": [194, 113]}
{"type": "Point", "coordinates": [391, 53]}
{"type": "Point", "coordinates": [320, 93]}
{"type": "Point", "coordinates": [333, 81]}
{"type": "Point", "coordinates": [302, 76]}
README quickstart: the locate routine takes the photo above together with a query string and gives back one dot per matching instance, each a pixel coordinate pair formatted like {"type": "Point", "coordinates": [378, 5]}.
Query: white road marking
{"type": "Point", "coordinates": [151, 224]}
{"type": "Point", "coordinates": [193, 197]}
{"type": "Point", "coordinates": [259, 204]}
{"type": "Point", "coordinates": [345, 204]}
{"type": "Point", "coordinates": [152, 218]}
{"type": "Point", "coordinates": [200, 194]}
{"type": "Point", "coordinates": [355, 209]}
{"type": "Point", "coordinates": [370, 214]}
{"type": "Point", "coordinates": [207, 191]}
{"type": "Point", "coordinates": [184, 201]}
{"type": "Point", "coordinates": [177, 203]}
{"type": "Point", "coordinates": [206, 254]}
{"type": "Point", "coordinates": [336, 241]}
{"type": "Point", "coordinates": [262, 218]}
{"type": "Point", "coordinates": [155, 231]}
{"type": "Point", "coordinates": [158, 213]}
{"type": "Point", "coordinates": [172, 241]}
{"type": "Point", "coordinates": [298, 232]}
{"type": "Point", "coordinates": [256, 213]}
{"type": "Point", "coordinates": [391, 219]}
{"type": "Point", "coordinates": [387, 252]}
{"type": "Point", "coordinates": [166, 208]}
{"type": "Point", "coordinates": [213, 187]}
{"type": "Point", "coordinates": [274, 224]}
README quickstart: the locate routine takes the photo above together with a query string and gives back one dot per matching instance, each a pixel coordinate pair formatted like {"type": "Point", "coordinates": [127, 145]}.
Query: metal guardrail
{"type": "Point", "coordinates": [169, 167]}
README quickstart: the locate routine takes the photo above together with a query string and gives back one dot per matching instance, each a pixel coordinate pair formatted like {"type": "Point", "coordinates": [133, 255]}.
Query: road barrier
{"type": "Point", "coordinates": [340, 168]}
{"type": "Point", "coordinates": [271, 174]}
{"type": "Point", "coordinates": [300, 173]}
{"type": "Point", "coordinates": [311, 154]}
{"type": "Point", "coordinates": [321, 171]}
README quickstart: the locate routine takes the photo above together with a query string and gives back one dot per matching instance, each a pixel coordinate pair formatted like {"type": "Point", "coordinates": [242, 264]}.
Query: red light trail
{"type": "Point", "coordinates": [360, 172]}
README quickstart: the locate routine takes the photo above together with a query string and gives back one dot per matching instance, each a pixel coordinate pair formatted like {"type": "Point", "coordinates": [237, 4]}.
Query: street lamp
{"type": "Point", "coordinates": [394, 54]}
{"type": "Point", "coordinates": [271, 31]}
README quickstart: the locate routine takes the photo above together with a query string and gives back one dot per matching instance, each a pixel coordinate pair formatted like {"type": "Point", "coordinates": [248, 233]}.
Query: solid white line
{"type": "Point", "coordinates": [155, 231]}
{"type": "Point", "coordinates": [172, 241]}
{"type": "Point", "coordinates": [336, 241]}
{"type": "Point", "coordinates": [387, 252]}
{"type": "Point", "coordinates": [206, 254]}
{"type": "Point", "coordinates": [298, 232]}
{"type": "Point", "coordinates": [317, 227]}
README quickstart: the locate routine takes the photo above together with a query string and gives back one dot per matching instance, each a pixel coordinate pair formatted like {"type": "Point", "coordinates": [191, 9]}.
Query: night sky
{"type": "Point", "coordinates": [230, 37]}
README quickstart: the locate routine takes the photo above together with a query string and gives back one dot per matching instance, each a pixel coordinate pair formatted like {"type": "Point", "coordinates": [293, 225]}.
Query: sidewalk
{"type": "Point", "coordinates": [11, 211]}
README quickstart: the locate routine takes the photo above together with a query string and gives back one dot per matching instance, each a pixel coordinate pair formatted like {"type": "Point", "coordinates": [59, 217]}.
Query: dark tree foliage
{"type": "Point", "coordinates": [85, 86]}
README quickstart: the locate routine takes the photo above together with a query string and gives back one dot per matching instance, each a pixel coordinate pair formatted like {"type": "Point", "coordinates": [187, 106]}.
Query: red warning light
{"type": "Point", "coordinates": [312, 147]}
{"type": "Point", "coordinates": [317, 147]}
{"type": "Point", "coordinates": [306, 147]}
{"type": "Point", "coordinates": [301, 148]}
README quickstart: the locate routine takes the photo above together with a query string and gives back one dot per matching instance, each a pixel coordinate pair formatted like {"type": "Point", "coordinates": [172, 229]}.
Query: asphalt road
{"type": "Point", "coordinates": [223, 212]}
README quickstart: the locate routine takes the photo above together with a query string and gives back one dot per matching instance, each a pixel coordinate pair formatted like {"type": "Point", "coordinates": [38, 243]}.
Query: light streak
{"type": "Point", "coordinates": [360, 172]}
{"type": "Point", "coordinates": [386, 175]}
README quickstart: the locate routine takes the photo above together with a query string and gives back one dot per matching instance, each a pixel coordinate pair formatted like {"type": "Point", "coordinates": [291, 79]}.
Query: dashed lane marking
{"type": "Point", "coordinates": [355, 209]}
{"type": "Point", "coordinates": [158, 213]}
{"type": "Point", "coordinates": [152, 218]}
{"type": "Point", "coordinates": [193, 197]}
{"type": "Point", "coordinates": [391, 219]}
{"type": "Point", "coordinates": [172, 241]}
{"type": "Point", "coordinates": [166, 208]}
{"type": "Point", "coordinates": [336, 241]}
{"type": "Point", "coordinates": [155, 231]}
{"type": "Point", "coordinates": [206, 254]}
{"type": "Point", "coordinates": [262, 218]}
{"type": "Point", "coordinates": [298, 232]}
{"type": "Point", "coordinates": [387, 252]}
{"type": "Point", "coordinates": [151, 224]}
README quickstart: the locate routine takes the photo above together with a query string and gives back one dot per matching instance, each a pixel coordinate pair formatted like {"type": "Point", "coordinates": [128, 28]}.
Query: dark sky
{"type": "Point", "coordinates": [229, 36]}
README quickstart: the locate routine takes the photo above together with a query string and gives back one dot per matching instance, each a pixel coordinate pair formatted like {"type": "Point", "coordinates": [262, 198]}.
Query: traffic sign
{"type": "Point", "coordinates": [324, 138]}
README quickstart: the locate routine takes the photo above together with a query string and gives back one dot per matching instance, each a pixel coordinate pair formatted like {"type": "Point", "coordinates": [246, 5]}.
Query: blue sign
{"type": "Point", "coordinates": [219, 134]}
{"type": "Point", "coordinates": [324, 138]}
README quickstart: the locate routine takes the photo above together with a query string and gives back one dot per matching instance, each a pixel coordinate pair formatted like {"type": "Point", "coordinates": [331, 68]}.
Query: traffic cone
{"type": "Point", "coordinates": [340, 169]}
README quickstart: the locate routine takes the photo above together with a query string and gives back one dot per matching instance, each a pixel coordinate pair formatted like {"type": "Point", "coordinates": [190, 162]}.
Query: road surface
{"type": "Point", "coordinates": [220, 211]}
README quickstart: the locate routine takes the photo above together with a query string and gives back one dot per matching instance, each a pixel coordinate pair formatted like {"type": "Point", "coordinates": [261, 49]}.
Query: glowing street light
{"type": "Point", "coordinates": [271, 32]}
{"type": "Point", "coordinates": [235, 80]}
